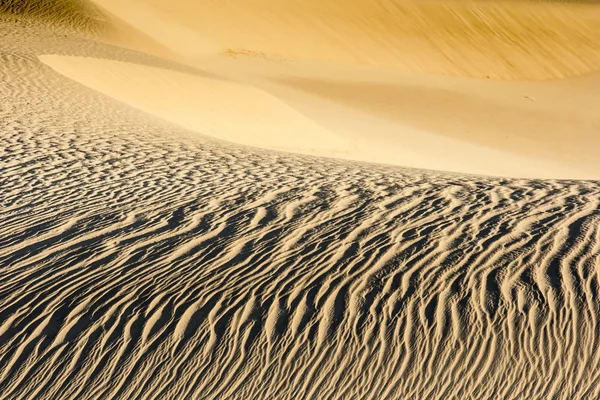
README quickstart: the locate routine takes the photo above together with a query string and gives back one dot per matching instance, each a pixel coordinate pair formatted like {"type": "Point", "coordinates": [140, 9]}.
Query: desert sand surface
{"type": "Point", "coordinates": [472, 87]}
{"type": "Point", "coordinates": [299, 200]}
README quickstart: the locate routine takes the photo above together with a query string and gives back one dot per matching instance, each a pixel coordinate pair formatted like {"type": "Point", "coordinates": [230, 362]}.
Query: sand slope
{"type": "Point", "coordinates": [523, 129]}
{"type": "Point", "coordinates": [207, 105]}
{"type": "Point", "coordinates": [142, 261]}
{"type": "Point", "coordinates": [500, 39]}
{"type": "Point", "coordinates": [354, 82]}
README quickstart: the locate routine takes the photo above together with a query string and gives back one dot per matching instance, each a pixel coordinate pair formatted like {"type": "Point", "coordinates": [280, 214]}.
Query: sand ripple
{"type": "Point", "coordinates": [139, 264]}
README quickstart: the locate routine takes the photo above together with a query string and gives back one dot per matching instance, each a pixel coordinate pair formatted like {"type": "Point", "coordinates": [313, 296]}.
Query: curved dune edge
{"type": "Point", "coordinates": [458, 127]}
{"type": "Point", "coordinates": [534, 130]}
{"type": "Point", "coordinates": [490, 40]}
{"type": "Point", "coordinates": [224, 110]}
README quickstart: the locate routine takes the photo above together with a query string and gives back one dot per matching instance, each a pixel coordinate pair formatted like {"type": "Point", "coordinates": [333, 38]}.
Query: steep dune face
{"type": "Point", "coordinates": [500, 40]}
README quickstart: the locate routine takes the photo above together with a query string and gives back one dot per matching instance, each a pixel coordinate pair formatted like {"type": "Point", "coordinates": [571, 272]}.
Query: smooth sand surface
{"type": "Point", "coordinates": [522, 129]}
{"type": "Point", "coordinates": [499, 39]}
{"type": "Point", "coordinates": [156, 243]}
{"type": "Point", "coordinates": [207, 105]}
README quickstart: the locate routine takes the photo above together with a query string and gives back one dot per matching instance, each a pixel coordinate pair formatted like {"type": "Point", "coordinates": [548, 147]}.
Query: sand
{"type": "Point", "coordinates": [213, 218]}
{"type": "Point", "coordinates": [519, 129]}
{"type": "Point", "coordinates": [518, 123]}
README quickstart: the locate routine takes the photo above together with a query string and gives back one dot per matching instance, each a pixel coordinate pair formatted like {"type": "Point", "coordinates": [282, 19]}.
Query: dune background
{"type": "Point", "coordinates": [150, 249]}
{"type": "Point", "coordinates": [499, 39]}
{"type": "Point", "coordinates": [467, 87]}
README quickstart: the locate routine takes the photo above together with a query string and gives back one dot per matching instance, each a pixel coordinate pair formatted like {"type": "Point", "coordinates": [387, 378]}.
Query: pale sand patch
{"type": "Point", "coordinates": [225, 110]}
{"type": "Point", "coordinates": [375, 73]}
{"type": "Point", "coordinates": [545, 129]}
{"type": "Point", "coordinates": [540, 130]}
{"type": "Point", "coordinates": [549, 129]}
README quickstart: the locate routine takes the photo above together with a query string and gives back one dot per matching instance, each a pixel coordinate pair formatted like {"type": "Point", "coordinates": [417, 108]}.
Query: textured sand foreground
{"type": "Point", "coordinates": [141, 258]}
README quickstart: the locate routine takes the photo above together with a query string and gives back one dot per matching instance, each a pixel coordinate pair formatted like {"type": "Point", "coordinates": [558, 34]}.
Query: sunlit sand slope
{"type": "Point", "coordinates": [507, 40]}
{"type": "Point", "coordinates": [139, 263]}
{"type": "Point", "coordinates": [207, 105]}
{"type": "Point", "coordinates": [524, 129]}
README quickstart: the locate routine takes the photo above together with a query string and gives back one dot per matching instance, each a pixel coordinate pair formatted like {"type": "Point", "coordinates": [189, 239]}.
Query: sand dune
{"type": "Point", "coordinates": [506, 40]}
{"type": "Point", "coordinates": [207, 105]}
{"type": "Point", "coordinates": [363, 91]}
{"type": "Point", "coordinates": [523, 129]}
{"type": "Point", "coordinates": [142, 259]}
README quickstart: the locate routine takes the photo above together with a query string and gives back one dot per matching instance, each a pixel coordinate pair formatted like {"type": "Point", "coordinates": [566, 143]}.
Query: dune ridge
{"type": "Point", "coordinates": [207, 105]}
{"type": "Point", "coordinates": [522, 129]}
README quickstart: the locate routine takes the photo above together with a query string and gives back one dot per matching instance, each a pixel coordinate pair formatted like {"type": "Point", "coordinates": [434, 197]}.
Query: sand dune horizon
{"type": "Point", "coordinates": [265, 199]}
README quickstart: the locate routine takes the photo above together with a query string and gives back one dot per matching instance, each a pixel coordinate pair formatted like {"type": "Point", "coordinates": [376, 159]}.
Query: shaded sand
{"type": "Point", "coordinates": [142, 260]}
{"type": "Point", "coordinates": [80, 14]}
